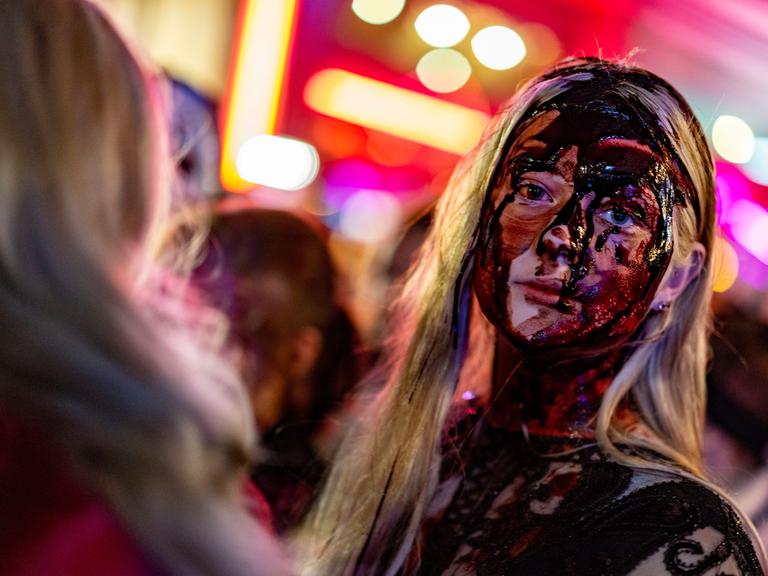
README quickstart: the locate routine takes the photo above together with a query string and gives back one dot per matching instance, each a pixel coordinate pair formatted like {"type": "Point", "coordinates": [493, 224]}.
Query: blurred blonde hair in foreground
{"type": "Point", "coordinates": [147, 415]}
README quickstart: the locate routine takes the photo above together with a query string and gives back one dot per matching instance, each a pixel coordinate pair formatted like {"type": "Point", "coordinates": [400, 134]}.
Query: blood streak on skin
{"type": "Point", "coordinates": [560, 276]}
{"type": "Point", "coordinates": [597, 153]}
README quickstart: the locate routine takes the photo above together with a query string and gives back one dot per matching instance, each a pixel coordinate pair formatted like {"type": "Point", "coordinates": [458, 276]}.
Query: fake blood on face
{"type": "Point", "coordinates": [587, 216]}
{"type": "Point", "coordinates": [575, 237]}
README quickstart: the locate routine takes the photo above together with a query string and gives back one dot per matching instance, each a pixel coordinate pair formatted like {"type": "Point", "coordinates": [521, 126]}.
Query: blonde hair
{"type": "Point", "coordinates": [147, 415]}
{"type": "Point", "coordinates": [386, 469]}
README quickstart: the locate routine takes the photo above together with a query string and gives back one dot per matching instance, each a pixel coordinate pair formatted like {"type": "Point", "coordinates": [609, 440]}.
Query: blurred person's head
{"type": "Point", "coordinates": [272, 274]}
{"type": "Point", "coordinates": [147, 416]}
{"type": "Point", "coordinates": [194, 145]}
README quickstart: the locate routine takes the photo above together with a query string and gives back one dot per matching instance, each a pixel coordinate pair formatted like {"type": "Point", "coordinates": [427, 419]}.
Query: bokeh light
{"type": "Point", "coordinates": [730, 186]}
{"type": "Point", "coordinates": [370, 216]}
{"type": "Point", "coordinates": [345, 178]}
{"type": "Point", "coordinates": [498, 47]}
{"type": "Point", "coordinates": [726, 264]}
{"type": "Point", "coordinates": [404, 113]}
{"type": "Point", "coordinates": [748, 225]}
{"type": "Point", "coordinates": [442, 25]}
{"type": "Point", "coordinates": [266, 32]}
{"type": "Point", "coordinates": [277, 162]}
{"type": "Point", "coordinates": [443, 70]}
{"type": "Point", "coordinates": [377, 11]}
{"type": "Point", "coordinates": [733, 139]}
{"type": "Point", "coordinates": [337, 139]}
{"type": "Point", "coordinates": [757, 168]}
{"type": "Point", "coordinates": [389, 150]}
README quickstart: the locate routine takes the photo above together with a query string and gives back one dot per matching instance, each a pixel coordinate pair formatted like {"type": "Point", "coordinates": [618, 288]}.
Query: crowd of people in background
{"type": "Point", "coordinates": [179, 367]}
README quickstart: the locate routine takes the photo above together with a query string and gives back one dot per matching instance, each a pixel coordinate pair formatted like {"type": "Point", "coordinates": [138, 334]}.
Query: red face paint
{"type": "Point", "coordinates": [576, 233]}
{"type": "Point", "coordinates": [575, 236]}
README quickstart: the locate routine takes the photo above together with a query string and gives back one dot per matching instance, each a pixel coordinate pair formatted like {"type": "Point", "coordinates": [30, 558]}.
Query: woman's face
{"type": "Point", "coordinates": [576, 234]}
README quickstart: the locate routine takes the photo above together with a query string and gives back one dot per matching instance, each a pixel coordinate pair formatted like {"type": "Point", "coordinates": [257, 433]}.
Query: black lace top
{"type": "Point", "coordinates": [503, 507]}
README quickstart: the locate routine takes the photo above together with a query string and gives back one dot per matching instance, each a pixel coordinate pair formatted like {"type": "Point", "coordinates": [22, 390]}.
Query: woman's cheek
{"type": "Point", "coordinates": [624, 249]}
{"type": "Point", "coordinates": [492, 266]}
{"type": "Point", "coordinates": [519, 233]}
{"type": "Point", "coordinates": [620, 285]}
{"type": "Point", "coordinates": [633, 253]}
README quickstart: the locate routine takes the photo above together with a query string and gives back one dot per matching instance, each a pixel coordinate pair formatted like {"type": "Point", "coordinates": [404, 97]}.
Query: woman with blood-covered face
{"type": "Point", "coordinates": [545, 401]}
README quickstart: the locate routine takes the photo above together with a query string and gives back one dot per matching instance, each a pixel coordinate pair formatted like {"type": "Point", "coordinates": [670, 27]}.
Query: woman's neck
{"type": "Point", "coordinates": [550, 397]}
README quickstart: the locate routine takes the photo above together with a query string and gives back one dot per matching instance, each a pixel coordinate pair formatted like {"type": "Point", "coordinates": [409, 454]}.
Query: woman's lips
{"type": "Point", "coordinates": [542, 291]}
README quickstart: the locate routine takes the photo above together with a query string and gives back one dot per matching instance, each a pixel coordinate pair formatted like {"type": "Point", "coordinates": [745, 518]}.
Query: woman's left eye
{"type": "Point", "coordinates": [618, 217]}
{"type": "Point", "coordinates": [533, 192]}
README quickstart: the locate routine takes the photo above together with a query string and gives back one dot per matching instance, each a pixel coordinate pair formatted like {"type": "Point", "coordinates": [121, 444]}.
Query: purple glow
{"type": "Point", "coordinates": [370, 216]}
{"type": "Point", "coordinates": [468, 395]}
{"type": "Point", "coordinates": [730, 187]}
{"type": "Point", "coordinates": [748, 224]}
{"type": "Point", "coordinates": [346, 177]}
{"type": "Point", "coordinates": [751, 270]}
{"type": "Point", "coordinates": [352, 174]}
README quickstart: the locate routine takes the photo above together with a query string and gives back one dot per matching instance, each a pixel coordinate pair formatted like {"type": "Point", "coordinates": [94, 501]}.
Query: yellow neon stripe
{"type": "Point", "coordinates": [387, 108]}
{"type": "Point", "coordinates": [257, 81]}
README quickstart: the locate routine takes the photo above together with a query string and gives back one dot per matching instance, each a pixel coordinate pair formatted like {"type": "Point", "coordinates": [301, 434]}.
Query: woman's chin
{"type": "Point", "coordinates": [558, 339]}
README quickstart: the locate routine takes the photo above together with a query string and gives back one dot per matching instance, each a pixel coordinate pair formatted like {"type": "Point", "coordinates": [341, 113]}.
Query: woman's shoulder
{"type": "Point", "coordinates": [673, 524]}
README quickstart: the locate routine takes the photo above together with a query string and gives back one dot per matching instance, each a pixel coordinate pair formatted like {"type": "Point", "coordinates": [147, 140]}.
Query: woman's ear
{"type": "Point", "coordinates": [678, 276]}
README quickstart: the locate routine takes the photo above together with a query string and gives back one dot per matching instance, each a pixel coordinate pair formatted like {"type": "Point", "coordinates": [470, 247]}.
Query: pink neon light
{"type": "Point", "coordinates": [748, 223]}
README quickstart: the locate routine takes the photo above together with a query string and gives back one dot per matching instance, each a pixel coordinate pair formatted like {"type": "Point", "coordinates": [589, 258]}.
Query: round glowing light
{"type": "Point", "coordinates": [733, 139]}
{"type": "Point", "coordinates": [377, 11]}
{"type": "Point", "coordinates": [443, 70]}
{"type": "Point", "coordinates": [726, 264]}
{"type": "Point", "coordinates": [277, 162]}
{"type": "Point", "coordinates": [442, 25]}
{"type": "Point", "coordinates": [498, 47]}
{"type": "Point", "coordinates": [370, 216]}
{"type": "Point", "coordinates": [757, 168]}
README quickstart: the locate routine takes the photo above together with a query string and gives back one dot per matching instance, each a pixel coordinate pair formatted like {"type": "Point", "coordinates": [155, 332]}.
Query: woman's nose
{"type": "Point", "coordinates": [567, 232]}
{"type": "Point", "coordinates": [557, 240]}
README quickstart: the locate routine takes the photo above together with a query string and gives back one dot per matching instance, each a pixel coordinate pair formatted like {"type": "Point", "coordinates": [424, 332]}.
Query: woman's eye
{"type": "Point", "coordinates": [618, 217]}
{"type": "Point", "coordinates": [533, 192]}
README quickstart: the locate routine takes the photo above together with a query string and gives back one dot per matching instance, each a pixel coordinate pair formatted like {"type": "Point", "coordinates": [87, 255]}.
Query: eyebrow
{"type": "Point", "coordinates": [520, 151]}
{"type": "Point", "coordinates": [624, 143]}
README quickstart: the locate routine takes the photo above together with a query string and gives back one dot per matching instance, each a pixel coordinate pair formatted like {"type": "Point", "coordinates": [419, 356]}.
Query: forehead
{"type": "Point", "coordinates": [587, 128]}
{"type": "Point", "coordinates": [601, 142]}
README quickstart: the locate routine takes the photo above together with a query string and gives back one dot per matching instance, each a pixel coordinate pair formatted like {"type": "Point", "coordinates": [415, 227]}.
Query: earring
{"type": "Point", "coordinates": [661, 307]}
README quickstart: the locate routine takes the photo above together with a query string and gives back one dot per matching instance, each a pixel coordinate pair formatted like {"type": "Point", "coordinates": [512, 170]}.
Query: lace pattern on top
{"type": "Point", "coordinates": [503, 508]}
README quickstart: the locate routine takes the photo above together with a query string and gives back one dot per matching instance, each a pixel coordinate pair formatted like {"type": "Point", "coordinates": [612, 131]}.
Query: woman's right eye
{"type": "Point", "coordinates": [533, 192]}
